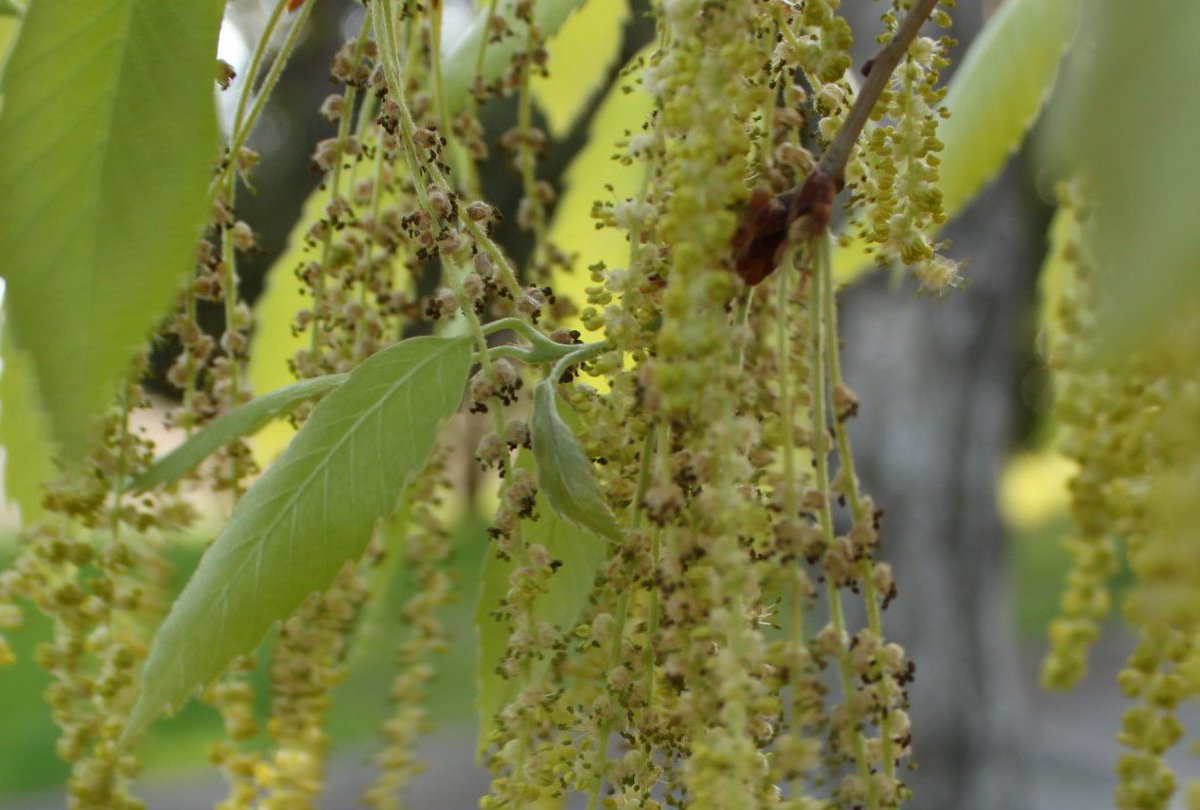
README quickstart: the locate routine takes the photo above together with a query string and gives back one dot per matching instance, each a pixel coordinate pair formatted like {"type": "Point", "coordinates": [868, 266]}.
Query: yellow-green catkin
{"type": "Point", "coordinates": [717, 533]}
{"type": "Point", "coordinates": [1090, 400]}
{"type": "Point", "coordinates": [1130, 421]}
{"type": "Point", "coordinates": [1110, 409]}
{"type": "Point", "coordinates": [95, 568]}
{"type": "Point", "coordinates": [1163, 604]}
{"type": "Point", "coordinates": [308, 660]}
{"type": "Point", "coordinates": [426, 550]}
{"type": "Point", "coordinates": [817, 40]}
{"type": "Point", "coordinates": [526, 141]}
{"type": "Point", "coordinates": [893, 177]}
{"type": "Point", "coordinates": [528, 759]}
{"type": "Point", "coordinates": [713, 654]}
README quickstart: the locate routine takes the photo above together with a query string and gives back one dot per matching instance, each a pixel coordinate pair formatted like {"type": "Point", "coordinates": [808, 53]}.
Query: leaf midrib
{"type": "Point", "coordinates": [288, 509]}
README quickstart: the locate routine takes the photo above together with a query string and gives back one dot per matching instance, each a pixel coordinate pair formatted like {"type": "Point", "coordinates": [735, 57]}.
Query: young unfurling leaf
{"type": "Point", "coordinates": [564, 472]}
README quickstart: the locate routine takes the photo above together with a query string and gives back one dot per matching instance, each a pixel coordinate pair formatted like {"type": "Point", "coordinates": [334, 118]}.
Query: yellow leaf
{"type": "Point", "coordinates": [573, 229]}
{"type": "Point", "coordinates": [580, 57]}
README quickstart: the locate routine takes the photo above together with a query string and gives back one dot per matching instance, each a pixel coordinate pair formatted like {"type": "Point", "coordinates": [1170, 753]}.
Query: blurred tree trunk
{"type": "Point", "coordinates": [939, 385]}
{"type": "Point", "coordinates": [290, 127]}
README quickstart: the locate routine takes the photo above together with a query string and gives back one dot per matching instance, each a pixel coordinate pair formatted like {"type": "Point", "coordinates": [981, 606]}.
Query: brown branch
{"type": "Point", "coordinates": [878, 71]}
{"type": "Point", "coordinates": [763, 233]}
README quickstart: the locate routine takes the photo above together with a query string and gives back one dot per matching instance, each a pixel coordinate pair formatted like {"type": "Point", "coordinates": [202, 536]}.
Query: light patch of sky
{"type": "Point", "coordinates": [232, 48]}
{"type": "Point", "coordinates": [456, 16]}
{"type": "Point", "coordinates": [351, 22]}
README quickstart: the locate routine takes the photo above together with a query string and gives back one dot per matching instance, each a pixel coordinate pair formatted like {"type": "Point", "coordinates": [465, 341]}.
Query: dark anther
{"type": "Point", "coordinates": [761, 237]}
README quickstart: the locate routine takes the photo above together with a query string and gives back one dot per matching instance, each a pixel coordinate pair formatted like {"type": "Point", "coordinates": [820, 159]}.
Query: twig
{"type": "Point", "coordinates": [763, 234]}
{"type": "Point", "coordinates": [878, 72]}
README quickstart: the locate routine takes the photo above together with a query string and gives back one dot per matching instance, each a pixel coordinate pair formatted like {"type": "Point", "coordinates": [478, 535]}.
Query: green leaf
{"type": "Point", "coordinates": [1131, 131]}
{"type": "Point", "coordinates": [999, 90]}
{"type": "Point", "coordinates": [24, 433]}
{"type": "Point", "coordinates": [564, 472]}
{"type": "Point", "coordinates": [994, 98]}
{"type": "Point", "coordinates": [10, 9]}
{"type": "Point", "coordinates": [241, 421]}
{"type": "Point", "coordinates": [108, 136]}
{"type": "Point", "coordinates": [581, 55]}
{"type": "Point", "coordinates": [310, 513]}
{"type": "Point", "coordinates": [562, 603]}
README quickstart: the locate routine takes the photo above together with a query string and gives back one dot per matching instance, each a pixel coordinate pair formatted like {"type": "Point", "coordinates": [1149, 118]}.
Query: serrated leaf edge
{"type": "Point", "coordinates": [140, 718]}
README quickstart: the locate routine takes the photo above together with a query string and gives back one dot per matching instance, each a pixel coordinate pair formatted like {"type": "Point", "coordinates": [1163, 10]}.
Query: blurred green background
{"type": "Point", "coordinates": [180, 743]}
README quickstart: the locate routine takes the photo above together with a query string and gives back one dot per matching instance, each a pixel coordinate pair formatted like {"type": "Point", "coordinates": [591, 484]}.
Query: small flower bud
{"type": "Point", "coordinates": [333, 107]}
{"type": "Point", "coordinates": [225, 74]}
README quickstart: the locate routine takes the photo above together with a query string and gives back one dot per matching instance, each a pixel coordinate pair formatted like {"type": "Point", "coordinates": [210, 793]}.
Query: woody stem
{"type": "Point", "coordinates": [878, 74]}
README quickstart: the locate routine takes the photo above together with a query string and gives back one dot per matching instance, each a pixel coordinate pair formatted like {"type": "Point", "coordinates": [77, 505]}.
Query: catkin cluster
{"type": "Point", "coordinates": [893, 177]}
{"type": "Point", "coordinates": [715, 661]}
{"type": "Point", "coordinates": [716, 654]}
{"type": "Point", "coordinates": [94, 565]}
{"type": "Point", "coordinates": [1130, 420]}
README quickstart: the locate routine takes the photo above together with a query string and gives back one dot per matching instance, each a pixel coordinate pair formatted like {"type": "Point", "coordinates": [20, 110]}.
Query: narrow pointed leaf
{"type": "Point", "coordinates": [310, 513]}
{"type": "Point", "coordinates": [241, 421]}
{"type": "Point", "coordinates": [108, 137]}
{"type": "Point", "coordinates": [564, 472]}
{"type": "Point", "coordinates": [994, 98]}
{"type": "Point", "coordinates": [581, 554]}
